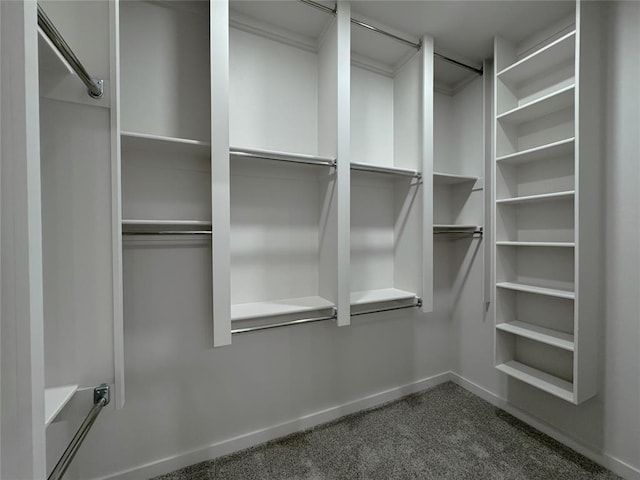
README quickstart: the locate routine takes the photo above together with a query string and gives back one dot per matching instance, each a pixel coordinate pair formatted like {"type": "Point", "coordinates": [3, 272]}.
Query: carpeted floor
{"type": "Point", "coordinates": [441, 434]}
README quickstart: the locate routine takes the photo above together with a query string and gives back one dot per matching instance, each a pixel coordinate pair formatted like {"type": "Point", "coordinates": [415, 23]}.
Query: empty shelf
{"type": "Point", "coordinates": [556, 53]}
{"type": "Point", "coordinates": [551, 150]}
{"type": "Point", "coordinates": [451, 179]}
{"type": "Point", "coordinates": [538, 198]}
{"type": "Point", "coordinates": [382, 295]}
{"type": "Point", "coordinates": [549, 383]}
{"type": "Point", "coordinates": [281, 156]}
{"type": "Point", "coordinates": [554, 102]}
{"type": "Point", "coordinates": [366, 167]}
{"type": "Point", "coordinates": [273, 308]}
{"type": "Point", "coordinates": [551, 292]}
{"type": "Point", "coordinates": [537, 244]}
{"type": "Point", "coordinates": [55, 399]}
{"type": "Point", "coordinates": [162, 144]}
{"type": "Point", "coordinates": [539, 334]}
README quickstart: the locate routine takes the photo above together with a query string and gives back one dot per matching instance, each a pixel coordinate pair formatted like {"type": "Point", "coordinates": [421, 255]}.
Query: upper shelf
{"type": "Point", "coordinates": [274, 308]}
{"type": "Point", "coordinates": [557, 149]}
{"type": "Point", "coordinates": [556, 53]}
{"type": "Point", "coordinates": [159, 143]}
{"type": "Point", "coordinates": [523, 287]}
{"type": "Point", "coordinates": [551, 103]}
{"type": "Point", "coordinates": [55, 399]}
{"type": "Point", "coordinates": [537, 198]}
{"type": "Point", "coordinates": [366, 167]}
{"type": "Point", "coordinates": [451, 179]}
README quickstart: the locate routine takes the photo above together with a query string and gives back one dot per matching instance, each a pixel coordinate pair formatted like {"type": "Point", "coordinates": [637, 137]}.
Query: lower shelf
{"type": "Point", "coordinates": [55, 399]}
{"type": "Point", "coordinates": [532, 376]}
{"type": "Point", "coordinates": [539, 334]}
{"type": "Point", "coordinates": [274, 308]}
{"type": "Point", "coordinates": [523, 287]}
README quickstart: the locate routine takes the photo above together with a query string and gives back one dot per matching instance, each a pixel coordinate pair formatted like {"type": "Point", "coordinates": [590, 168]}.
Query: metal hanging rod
{"type": "Point", "coordinates": [418, 46]}
{"type": "Point", "coordinates": [364, 167]}
{"type": "Point", "coordinates": [101, 398]}
{"type": "Point", "coordinates": [95, 87]}
{"type": "Point", "coordinates": [418, 303]}
{"type": "Point", "coordinates": [283, 157]}
{"type": "Point", "coordinates": [290, 323]}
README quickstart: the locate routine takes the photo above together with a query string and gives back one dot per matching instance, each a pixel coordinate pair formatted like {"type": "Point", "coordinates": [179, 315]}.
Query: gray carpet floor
{"type": "Point", "coordinates": [442, 433]}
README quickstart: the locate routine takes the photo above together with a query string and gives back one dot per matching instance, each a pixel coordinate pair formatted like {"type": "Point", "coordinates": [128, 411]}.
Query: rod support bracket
{"type": "Point", "coordinates": [100, 87]}
{"type": "Point", "coordinates": [102, 392]}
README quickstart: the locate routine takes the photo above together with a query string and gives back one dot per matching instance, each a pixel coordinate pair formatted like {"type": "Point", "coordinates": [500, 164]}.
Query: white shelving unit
{"type": "Point", "coordinates": [547, 250]}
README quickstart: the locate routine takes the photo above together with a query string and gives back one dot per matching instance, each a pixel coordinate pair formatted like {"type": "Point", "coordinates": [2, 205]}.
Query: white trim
{"type": "Point", "coordinates": [614, 464]}
{"type": "Point", "coordinates": [225, 447]}
{"type": "Point", "coordinates": [241, 442]}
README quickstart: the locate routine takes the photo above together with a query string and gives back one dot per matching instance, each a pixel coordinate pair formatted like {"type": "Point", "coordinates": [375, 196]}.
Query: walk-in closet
{"type": "Point", "coordinates": [310, 239]}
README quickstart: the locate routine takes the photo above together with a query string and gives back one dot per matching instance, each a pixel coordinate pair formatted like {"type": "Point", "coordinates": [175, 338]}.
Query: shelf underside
{"type": "Point", "coordinates": [551, 292]}
{"type": "Point", "coordinates": [541, 380]}
{"type": "Point", "coordinates": [544, 335]}
{"type": "Point", "coordinates": [368, 297]}
{"type": "Point", "coordinates": [55, 399]}
{"type": "Point", "coordinates": [165, 227]}
{"type": "Point", "coordinates": [451, 179]}
{"type": "Point", "coordinates": [164, 145]}
{"type": "Point", "coordinates": [275, 308]}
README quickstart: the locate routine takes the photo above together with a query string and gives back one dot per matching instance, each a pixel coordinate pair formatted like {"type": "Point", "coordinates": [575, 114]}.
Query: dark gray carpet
{"type": "Point", "coordinates": [443, 433]}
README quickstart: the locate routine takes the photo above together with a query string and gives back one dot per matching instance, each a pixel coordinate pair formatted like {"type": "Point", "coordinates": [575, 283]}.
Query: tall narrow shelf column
{"type": "Point", "coordinates": [547, 210]}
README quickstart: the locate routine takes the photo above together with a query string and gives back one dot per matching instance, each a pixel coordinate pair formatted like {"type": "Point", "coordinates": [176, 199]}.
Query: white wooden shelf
{"type": "Point", "coordinates": [368, 167]}
{"type": "Point", "coordinates": [162, 144]}
{"type": "Point", "coordinates": [551, 103]}
{"type": "Point", "coordinates": [537, 244]}
{"type": "Point", "coordinates": [55, 399]}
{"type": "Point", "coordinates": [556, 53]}
{"type": "Point", "coordinates": [274, 308]}
{"type": "Point", "coordinates": [544, 335]}
{"type": "Point", "coordinates": [241, 152]}
{"type": "Point", "coordinates": [49, 58]}
{"type": "Point", "coordinates": [543, 197]}
{"type": "Point", "coordinates": [451, 179]}
{"type": "Point", "coordinates": [539, 379]}
{"type": "Point", "coordinates": [551, 292]}
{"type": "Point", "coordinates": [367, 297]}
{"type": "Point", "coordinates": [557, 149]}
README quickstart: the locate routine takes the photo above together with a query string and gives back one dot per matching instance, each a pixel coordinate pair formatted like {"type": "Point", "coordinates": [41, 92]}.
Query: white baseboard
{"type": "Point", "coordinates": [225, 447]}
{"type": "Point", "coordinates": [617, 466]}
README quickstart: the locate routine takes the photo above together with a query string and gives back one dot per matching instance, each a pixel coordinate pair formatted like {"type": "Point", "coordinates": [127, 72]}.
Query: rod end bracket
{"type": "Point", "coordinates": [102, 392]}
{"type": "Point", "coordinates": [99, 92]}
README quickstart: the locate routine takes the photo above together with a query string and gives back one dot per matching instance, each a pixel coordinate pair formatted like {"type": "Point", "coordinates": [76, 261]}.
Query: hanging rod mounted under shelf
{"type": "Point", "coordinates": [282, 157]}
{"type": "Point", "coordinates": [416, 304]}
{"type": "Point", "coordinates": [364, 167]}
{"type": "Point", "coordinates": [290, 323]}
{"type": "Point", "coordinates": [95, 86]}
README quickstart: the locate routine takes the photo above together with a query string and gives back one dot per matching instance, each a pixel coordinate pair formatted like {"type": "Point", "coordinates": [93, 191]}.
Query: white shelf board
{"type": "Point", "coordinates": [49, 58]}
{"type": "Point", "coordinates": [159, 143]}
{"type": "Point", "coordinates": [368, 167]}
{"type": "Point", "coordinates": [543, 197]}
{"type": "Point", "coordinates": [544, 335]}
{"type": "Point", "coordinates": [444, 227]}
{"type": "Point", "coordinates": [166, 223]}
{"type": "Point", "coordinates": [557, 149]}
{"type": "Point", "coordinates": [537, 244]}
{"type": "Point", "coordinates": [451, 179]}
{"type": "Point", "coordinates": [273, 308]}
{"type": "Point", "coordinates": [556, 53]}
{"type": "Point", "coordinates": [551, 292]}
{"type": "Point", "coordinates": [551, 103]}
{"type": "Point", "coordinates": [367, 297]}
{"type": "Point", "coordinates": [55, 399]}
{"type": "Point", "coordinates": [549, 383]}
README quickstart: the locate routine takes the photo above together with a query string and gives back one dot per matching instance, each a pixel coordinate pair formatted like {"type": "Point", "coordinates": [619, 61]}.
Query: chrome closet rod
{"type": "Point", "coordinates": [418, 46]}
{"type": "Point", "coordinates": [388, 309]}
{"type": "Point", "coordinates": [95, 87]}
{"type": "Point", "coordinates": [301, 321]}
{"type": "Point", "coordinates": [101, 398]}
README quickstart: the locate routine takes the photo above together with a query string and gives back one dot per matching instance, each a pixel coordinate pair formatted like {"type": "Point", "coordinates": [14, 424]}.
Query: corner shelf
{"type": "Point", "coordinates": [537, 198]}
{"type": "Point", "coordinates": [159, 143]}
{"type": "Point", "coordinates": [544, 335]}
{"type": "Point", "coordinates": [536, 244]}
{"type": "Point", "coordinates": [551, 103]}
{"type": "Point", "coordinates": [557, 52]}
{"type": "Point", "coordinates": [55, 399]}
{"type": "Point", "coordinates": [275, 308]}
{"type": "Point", "coordinates": [548, 383]}
{"type": "Point", "coordinates": [367, 297]}
{"type": "Point", "coordinates": [551, 292]}
{"type": "Point", "coordinates": [550, 150]}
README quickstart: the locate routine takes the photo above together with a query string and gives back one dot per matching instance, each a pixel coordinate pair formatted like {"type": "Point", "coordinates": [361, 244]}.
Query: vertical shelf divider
{"type": "Point", "coordinates": [427, 173]}
{"type": "Point", "coordinates": [220, 173]}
